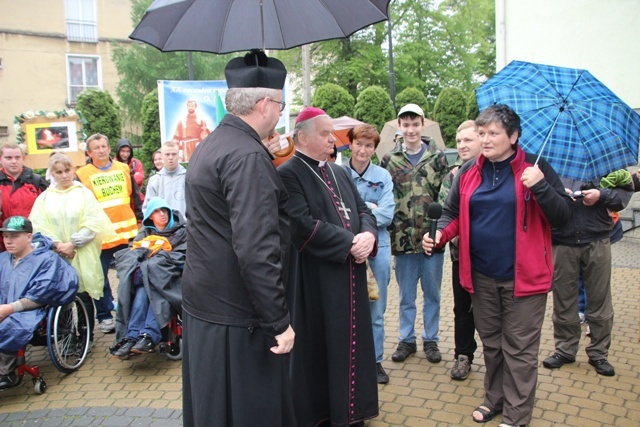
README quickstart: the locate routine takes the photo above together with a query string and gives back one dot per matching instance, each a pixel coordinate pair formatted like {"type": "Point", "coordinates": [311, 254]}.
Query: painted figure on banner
{"type": "Point", "coordinates": [190, 131]}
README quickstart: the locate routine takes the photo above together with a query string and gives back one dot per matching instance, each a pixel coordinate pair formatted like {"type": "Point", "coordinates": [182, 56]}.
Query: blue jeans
{"type": "Point", "coordinates": [582, 296]}
{"type": "Point", "coordinates": [104, 305]}
{"type": "Point", "coordinates": [141, 318]}
{"type": "Point", "coordinates": [381, 267]}
{"type": "Point", "coordinates": [410, 268]}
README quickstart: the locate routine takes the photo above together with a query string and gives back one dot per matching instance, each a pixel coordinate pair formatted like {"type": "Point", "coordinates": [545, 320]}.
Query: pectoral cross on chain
{"type": "Point", "coordinates": [345, 210]}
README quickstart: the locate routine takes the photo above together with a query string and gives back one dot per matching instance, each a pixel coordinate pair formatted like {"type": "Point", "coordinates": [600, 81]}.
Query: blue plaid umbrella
{"type": "Point", "coordinates": [568, 116]}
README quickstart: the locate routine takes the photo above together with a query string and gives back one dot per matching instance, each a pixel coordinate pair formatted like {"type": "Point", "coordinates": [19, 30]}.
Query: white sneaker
{"type": "Point", "coordinates": [588, 331]}
{"type": "Point", "coordinates": [581, 316]}
{"type": "Point", "coordinates": [107, 326]}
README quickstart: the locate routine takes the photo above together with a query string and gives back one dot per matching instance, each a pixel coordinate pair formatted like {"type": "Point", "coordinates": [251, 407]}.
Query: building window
{"type": "Point", "coordinates": [83, 72]}
{"type": "Point", "coordinates": [81, 21]}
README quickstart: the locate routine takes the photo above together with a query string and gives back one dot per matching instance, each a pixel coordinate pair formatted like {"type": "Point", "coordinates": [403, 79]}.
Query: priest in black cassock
{"type": "Point", "coordinates": [236, 325]}
{"type": "Point", "coordinates": [333, 232]}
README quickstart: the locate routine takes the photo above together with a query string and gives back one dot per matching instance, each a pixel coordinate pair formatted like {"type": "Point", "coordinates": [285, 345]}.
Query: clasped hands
{"type": "Point", "coordinates": [362, 246]}
{"type": "Point", "coordinates": [66, 250]}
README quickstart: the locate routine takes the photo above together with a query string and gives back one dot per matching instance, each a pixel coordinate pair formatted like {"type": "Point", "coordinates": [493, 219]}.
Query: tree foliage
{"type": "Point", "coordinates": [140, 66]}
{"type": "Point", "coordinates": [374, 107]}
{"type": "Point", "coordinates": [449, 111]}
{"type": "Point", "coordinates": [354, 63]}
{"type": "Point", "coordinates": [333, 99]}
{"type": "Point", "coordinates": [472, 106]}
{"type": "Point", "coordinates": [101, 113]}
{"type": "Point", "coordinates": [150, 129]}
{"type": "Point", "coordinates": [440, 44]}
{"type": "Point", "coordinates": [412, 95]}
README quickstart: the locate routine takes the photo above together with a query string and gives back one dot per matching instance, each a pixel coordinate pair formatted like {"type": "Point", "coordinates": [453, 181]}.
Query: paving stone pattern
{"type": "Point", "coordinates": [146, 391]}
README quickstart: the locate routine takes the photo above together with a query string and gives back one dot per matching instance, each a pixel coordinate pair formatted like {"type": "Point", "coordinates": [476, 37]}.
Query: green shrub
{"type": "Point", "coordinates": [412, 95]}
{"type": "Point", "coordinates": [449, 111]}
{"type": "Point", "coordinates": [101, 113]}
{"type": "Point", "coordinates": [333, 99]}
{"type": "Point", "coordinates": [374, 107]}
{"type": "Point", "coordinates": [150, 129]}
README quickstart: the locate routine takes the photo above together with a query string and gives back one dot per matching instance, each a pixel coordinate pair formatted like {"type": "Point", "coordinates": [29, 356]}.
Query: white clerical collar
{"type": "Point", "coordinates": [321, 163]}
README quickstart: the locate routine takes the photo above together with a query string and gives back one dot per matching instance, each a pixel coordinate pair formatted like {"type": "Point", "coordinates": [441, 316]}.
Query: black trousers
{"type": "Point", "coordinates": [464, 327]}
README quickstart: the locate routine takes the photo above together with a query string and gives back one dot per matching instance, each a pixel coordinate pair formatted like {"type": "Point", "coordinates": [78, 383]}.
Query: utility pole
{"type": "Point", "coordinates": [306, 76]}
{"type": "Point", "coordinates": [392, 75]}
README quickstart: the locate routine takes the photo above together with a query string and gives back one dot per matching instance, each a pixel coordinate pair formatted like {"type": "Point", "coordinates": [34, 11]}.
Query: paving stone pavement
{"type": "Point", "coordinates": [146, 391]}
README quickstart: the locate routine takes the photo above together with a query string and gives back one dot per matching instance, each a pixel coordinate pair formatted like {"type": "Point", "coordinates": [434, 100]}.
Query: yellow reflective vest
{"type": "Point", "coordinates": [112, 187]}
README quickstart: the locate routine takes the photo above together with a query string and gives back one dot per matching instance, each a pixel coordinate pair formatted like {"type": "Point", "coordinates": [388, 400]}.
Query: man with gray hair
{"type": "Point", "coordinates": [333, 232]}
{"type": "Point", "coordinates": [236, 326]}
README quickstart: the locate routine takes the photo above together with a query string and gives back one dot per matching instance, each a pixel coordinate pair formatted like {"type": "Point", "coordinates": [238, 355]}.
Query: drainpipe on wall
{"type": "Point", "coordinates": [501, 35]}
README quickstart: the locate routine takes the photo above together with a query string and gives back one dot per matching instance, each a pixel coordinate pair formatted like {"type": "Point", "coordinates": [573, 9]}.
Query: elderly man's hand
{"type": "Point", "coordinates": [362, 246]}
{"type": "Point", "coordinates": [285, 342]}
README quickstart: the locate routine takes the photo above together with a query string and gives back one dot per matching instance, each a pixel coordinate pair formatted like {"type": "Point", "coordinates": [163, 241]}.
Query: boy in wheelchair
{"type": "Point", "coordinates": [150, 273]}
{"type": "Point", "coordinates": [32, 277]}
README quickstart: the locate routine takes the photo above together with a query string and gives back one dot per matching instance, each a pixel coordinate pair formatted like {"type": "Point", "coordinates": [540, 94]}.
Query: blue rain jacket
{"type": "Point", "coordinates": [43, 277]}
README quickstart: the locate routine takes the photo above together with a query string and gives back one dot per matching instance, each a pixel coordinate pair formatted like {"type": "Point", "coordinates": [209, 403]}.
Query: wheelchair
{"type": "Point", "coordinates": [65, 332]}
{"type": "Point", "coordinates": [171, 344]}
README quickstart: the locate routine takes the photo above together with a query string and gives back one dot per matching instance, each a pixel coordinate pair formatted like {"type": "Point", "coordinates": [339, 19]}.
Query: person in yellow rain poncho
{"type": "Point", "coordinates": [69, 214]}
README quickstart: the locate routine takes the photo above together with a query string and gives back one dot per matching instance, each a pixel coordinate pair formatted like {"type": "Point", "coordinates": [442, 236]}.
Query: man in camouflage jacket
{"type": "Point", "coordinates": [417, 168]}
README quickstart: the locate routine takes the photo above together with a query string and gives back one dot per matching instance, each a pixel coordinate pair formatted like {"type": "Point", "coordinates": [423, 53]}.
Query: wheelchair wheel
{"type": "Point", "coordinates": [39, 385]}
{"type": "Point", "coordinates": [68, 335]}
{"type": "Point", "coordinates": [173, 349]}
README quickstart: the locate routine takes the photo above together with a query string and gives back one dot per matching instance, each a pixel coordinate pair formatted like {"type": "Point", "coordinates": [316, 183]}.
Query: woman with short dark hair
{"type": "Point", "coordinates": [503, 206]}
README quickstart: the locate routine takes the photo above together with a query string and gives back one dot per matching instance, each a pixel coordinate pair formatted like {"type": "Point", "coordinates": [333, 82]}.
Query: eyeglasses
{"type": "Point", "coordinates": [282, 104]}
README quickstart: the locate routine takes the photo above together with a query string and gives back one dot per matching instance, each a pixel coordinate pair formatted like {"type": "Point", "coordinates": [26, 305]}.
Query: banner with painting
{"type": "Point", "coordinates": [191, 110]}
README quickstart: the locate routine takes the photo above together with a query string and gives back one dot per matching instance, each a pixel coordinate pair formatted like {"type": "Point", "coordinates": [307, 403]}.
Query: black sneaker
{"type": "Point", "coordinates": [432, 352]}
{"type": "Point", "coordinates": [124, 351]}
{"type": "Point", "coordinates": [556, 360]}
{"type": "Point", "coordinates": [404, 350]}
{"type": "Point", "coordinates": [383, 378]}
{"type": "Point", "coordinates": [8, 381]}
{"type": "Point", "coordinates": [603, 367]}
{"type": "Point", "coordinates": [144, 345]}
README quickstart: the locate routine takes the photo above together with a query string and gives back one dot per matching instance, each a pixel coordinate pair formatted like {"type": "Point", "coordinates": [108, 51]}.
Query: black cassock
{"type": "Point", "coordinates": [333, 369]}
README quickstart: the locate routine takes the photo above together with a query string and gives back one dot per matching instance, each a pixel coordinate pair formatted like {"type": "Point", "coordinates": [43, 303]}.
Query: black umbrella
{"type": "Point", "coordinates": [224, 26]}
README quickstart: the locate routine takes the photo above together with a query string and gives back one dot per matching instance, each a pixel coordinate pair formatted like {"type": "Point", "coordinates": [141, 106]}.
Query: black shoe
{"type": "Point", "coordinates": [404, 350]}
{"type": "Point", "coordinates": [383, 378]}
{"type": "Point", "coordinates": [125, 349]}
{"type": "Point", "coordinates": [556, 360]}
{"type": "Point", "coordinates": [114, 348]}
{"type": "Point", "coordinates": [603, 367]}
{"type": "Point", "coordinates": [432, 352]}
{"type": "Point", "coordinates": [144, 345]}
{"type": "Point", "coordinates": [8, 381]}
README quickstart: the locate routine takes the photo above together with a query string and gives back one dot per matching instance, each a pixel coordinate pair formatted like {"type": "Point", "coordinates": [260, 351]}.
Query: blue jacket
{"type": "Point", "coordinates": [376, 187]}
{"type": "Point", "coordinates": [43, 277]}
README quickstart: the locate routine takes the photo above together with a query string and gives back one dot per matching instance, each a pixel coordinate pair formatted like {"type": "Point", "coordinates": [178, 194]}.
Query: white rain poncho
{"type": "Point", "coordinates": [74, 215]}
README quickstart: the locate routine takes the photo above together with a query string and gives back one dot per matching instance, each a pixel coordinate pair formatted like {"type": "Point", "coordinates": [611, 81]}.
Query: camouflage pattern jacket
{"type": "Point", "coordinates": [413, 189]}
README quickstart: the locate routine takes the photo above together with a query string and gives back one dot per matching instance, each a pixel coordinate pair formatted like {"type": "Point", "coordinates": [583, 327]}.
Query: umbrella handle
{"type": "Point", "coordinates": [547, 138]}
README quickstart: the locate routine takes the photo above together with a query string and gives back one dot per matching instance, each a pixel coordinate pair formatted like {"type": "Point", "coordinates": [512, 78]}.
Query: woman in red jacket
{"type": "Point", "coordinates": [503, 206]}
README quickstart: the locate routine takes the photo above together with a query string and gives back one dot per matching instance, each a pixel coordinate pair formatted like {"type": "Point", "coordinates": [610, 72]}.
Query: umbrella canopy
{"type": "Point", "coordinates": [568, 116]}
{"type": "Point", "coordinates": [388, 135]}
{"type": "Point", "coordinates": [223, 26]}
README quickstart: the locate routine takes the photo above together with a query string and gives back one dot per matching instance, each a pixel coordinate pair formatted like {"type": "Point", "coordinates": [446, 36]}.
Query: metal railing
{"type": "Point", "coordinates": [82, 31]}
